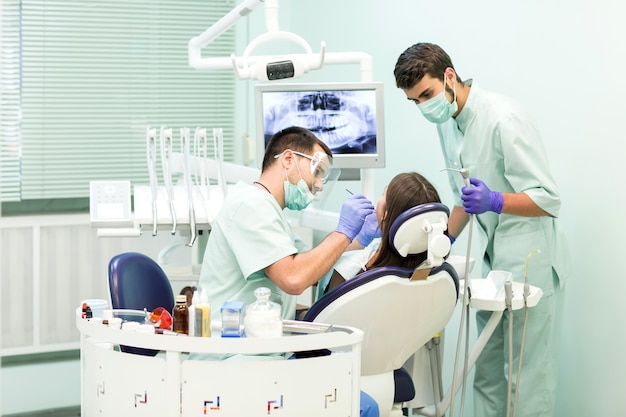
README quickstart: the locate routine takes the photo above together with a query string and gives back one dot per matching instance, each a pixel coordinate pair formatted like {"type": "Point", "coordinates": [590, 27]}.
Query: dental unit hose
{"type": "Point", "coordinates": [508, 300]}
{"type": "Point", "coordinates": [465, 310]}
{"type": "Point", "coordinates": [521, 350]}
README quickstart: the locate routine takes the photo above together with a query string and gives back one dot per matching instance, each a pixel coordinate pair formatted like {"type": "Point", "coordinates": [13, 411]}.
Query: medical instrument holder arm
{"type": "Point", "coordinates": [184, 137]}
{"type": "Point", "coordinates": [166, 153]}
{"type": "Point", "coordinates": [202, 169]}
{"type": "Point", "coordinates": [151, 160]}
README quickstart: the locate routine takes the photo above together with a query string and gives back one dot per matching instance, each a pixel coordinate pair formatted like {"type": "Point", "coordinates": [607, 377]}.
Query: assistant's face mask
{"type": "Point", "coordinates": [297, 197]}
{"type": "Point", "coordinates": [438, 109]}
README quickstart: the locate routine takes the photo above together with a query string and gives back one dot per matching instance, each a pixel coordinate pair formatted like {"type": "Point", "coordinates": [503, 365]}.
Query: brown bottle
{"type": "Point", "coordinates": [180, 315]}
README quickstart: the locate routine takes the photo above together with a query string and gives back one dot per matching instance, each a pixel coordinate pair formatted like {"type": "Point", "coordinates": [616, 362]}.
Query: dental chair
{"type": "Point", "coordinates": [398, 315]}
{"type": "Point", "coordinates": [137, 282]}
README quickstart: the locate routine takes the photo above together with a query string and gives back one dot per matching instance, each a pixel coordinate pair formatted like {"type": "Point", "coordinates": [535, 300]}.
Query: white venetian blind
{"type": "Point", "coordinates": [10, 138]}
{"type": "Point", "coordinates": [87, 77]}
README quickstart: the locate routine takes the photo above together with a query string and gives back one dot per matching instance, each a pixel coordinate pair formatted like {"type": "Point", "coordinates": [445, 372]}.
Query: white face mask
{"type": "Point", "coordinates": [438, 109]}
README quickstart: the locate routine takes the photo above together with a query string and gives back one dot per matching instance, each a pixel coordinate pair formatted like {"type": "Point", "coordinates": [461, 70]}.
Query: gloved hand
{"type": "Point", "coordinates": [480, 198]}
{"type": "Point", "coordinates": [452, 239]}
{"type": "Point", "coordinates": [352, 215]}
{"type": "Point", "coordinates": [369, 231]}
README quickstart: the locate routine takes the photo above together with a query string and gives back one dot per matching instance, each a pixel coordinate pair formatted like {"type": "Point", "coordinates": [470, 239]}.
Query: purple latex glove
{"type": "Point", "coordinates": [352, 215]}
{"type": "Point", "coordinates": [480, 198]}
{"type": "Point", "coordinates": [369, 231]}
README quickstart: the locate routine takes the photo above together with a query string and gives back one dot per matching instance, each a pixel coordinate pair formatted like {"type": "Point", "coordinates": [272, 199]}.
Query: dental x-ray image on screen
{"type": "Point", "coordinates": [344, 116]}
{"type": "Point", "coordinates": [344, 120]}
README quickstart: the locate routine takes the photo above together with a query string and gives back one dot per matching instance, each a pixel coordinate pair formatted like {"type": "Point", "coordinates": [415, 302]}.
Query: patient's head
{"type": "Point", "coordinates": [405, 190]}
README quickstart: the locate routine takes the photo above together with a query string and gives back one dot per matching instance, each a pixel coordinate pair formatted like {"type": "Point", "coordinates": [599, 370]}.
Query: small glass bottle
{"type": "Point", "coordinates": [263, 318]}
{"type": "Point", "coordinates": [180, 315]}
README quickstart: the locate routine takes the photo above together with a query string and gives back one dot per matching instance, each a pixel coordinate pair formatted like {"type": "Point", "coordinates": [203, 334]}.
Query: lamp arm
{"type": "Point", "coordinates": [205, 38]}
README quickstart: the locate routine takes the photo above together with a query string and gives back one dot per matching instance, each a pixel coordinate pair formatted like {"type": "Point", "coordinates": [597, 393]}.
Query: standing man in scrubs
{"type": "Point", "coordinates": [516, 203]}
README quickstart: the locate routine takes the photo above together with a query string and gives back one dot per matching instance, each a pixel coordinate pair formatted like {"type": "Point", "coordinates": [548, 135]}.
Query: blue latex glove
{"type": "Point", "coordinates": [452, 239]}
{"type": "Point", "coordinates": [480, 198]}
{"type": "Point", "coordinates": [369, 231]}
{"type": "Point", "coordinates": [352, 215]}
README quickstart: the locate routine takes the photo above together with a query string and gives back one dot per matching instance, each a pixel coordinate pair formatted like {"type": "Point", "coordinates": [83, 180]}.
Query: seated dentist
{"type": "Point", "coordinates": [405, 190]}
{"type": "Point", "coordinates": [251, 243]}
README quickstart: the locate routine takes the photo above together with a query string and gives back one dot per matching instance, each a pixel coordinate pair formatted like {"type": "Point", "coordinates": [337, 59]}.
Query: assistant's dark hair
{"type": "Point", "coordinates": [406, 190]}
{"type": "Point", "coordinates": [419, 60]}
{"type": "Point", "coordinates": [295, 138]}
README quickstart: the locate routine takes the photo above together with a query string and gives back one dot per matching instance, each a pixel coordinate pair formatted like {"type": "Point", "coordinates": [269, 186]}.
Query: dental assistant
{"type": "Point", "coordinates": [251, 243]}
{"type": "Point", "coordinates": [516, 203]}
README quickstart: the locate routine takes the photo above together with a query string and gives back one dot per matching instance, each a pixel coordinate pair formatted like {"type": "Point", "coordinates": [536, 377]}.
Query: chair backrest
{"type": "Point", "coordinates": [136, 282]}
{"type": "Point", "coordinates": [397, 315]}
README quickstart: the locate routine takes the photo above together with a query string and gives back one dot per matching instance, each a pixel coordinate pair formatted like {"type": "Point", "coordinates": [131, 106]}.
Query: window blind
{"type": "Point", "coordinates": [92, 76]}
{"type": "Point", "coordinates": [10, 134]}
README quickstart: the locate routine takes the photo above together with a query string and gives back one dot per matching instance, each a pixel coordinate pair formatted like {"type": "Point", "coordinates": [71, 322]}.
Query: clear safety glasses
{"type": "Point", "coordinates": [320, 168]}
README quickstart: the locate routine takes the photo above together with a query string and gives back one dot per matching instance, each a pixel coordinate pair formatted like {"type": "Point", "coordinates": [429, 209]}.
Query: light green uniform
{"type": "Point", "coordinates": [250, 233]}
{"type": "Point", "coordinates": [499, 144]}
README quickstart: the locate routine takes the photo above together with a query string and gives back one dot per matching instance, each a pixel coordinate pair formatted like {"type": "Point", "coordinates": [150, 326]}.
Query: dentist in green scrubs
{"type": "Point", "coordinates": [516, 203]}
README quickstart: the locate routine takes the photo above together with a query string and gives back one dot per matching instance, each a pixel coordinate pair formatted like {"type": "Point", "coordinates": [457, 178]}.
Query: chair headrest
{"type": "Point", "coordinates": [420, 229]}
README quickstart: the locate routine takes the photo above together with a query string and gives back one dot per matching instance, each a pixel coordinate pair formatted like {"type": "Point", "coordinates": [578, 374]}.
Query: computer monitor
{"type": "Point", "coordinates": [348, 117]}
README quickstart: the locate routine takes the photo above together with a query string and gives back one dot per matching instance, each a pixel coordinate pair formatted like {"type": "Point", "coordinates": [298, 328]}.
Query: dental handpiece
{"type": "Point", "coordinates": [464, 173]}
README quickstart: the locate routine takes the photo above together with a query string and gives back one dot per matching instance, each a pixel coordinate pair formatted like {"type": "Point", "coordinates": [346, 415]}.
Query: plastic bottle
{"type": "Point", "coordinates": [203, 315]}
{"type": "Point", "coordinates": [263, 318]}
{"type": "Point", "coordinates": [192, 314]}
{"type": "Point", "coordinates": [180, 315]}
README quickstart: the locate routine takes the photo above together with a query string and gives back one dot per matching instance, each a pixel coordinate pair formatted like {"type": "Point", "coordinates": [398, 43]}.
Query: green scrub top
{"type": "Point", "coordinates": [499, 144]}
{"type": "Point", "coordinates": [250, 233]}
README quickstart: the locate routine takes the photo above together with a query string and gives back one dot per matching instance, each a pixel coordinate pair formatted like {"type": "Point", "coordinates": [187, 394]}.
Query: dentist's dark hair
{"type": "Point", "coordinates": [419, 60]}
{"type": "Point", "coordinates": [295, 138]}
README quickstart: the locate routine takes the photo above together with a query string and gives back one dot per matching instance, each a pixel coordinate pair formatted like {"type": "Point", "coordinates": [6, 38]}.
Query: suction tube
{"type": "Point", "coordinates": [523, 341]}
{"type": "Point", "coordinates": [465, 311]}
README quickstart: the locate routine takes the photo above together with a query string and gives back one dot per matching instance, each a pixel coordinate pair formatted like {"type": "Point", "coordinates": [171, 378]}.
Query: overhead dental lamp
{"type": "Point", "coordinates": [262, 68]}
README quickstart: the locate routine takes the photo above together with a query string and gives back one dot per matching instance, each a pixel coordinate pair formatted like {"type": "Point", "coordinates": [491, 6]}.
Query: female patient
{"type": "Point", "coordinates": [404, 191]}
